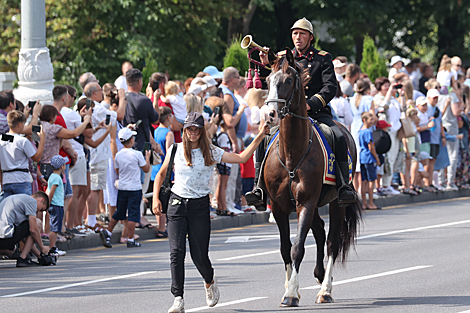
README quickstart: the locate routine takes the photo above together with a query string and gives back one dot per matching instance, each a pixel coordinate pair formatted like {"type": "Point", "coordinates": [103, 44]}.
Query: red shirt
{"type": "Point", "coordinates": [247, 169]}
{"type": "Point", "coordinates": [60, 121]}
{"type": "Point", "coordinates": [176, 133]}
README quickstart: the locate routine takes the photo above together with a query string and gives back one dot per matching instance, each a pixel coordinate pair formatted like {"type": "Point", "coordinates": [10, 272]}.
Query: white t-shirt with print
{"type": "Point", "coordinates": [14, 155]}
{"type": "Point", "coordinates": [192, 182]}
{"type": "Point", "coordinates": [224, 143]}
{"type": "Point", "coordinates": [129, 162]}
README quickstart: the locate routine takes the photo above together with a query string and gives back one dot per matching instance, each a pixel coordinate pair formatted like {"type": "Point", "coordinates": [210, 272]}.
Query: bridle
{"type": "Point", "coordinates": [285, 110]}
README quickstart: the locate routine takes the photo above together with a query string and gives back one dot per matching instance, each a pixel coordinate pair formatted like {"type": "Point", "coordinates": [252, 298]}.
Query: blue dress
{"type": "Point", "coordinates": [160, 138]}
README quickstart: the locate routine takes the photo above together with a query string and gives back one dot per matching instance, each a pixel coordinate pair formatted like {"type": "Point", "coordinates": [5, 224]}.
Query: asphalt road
{"type": "Point", "coordinates": [407, 259]}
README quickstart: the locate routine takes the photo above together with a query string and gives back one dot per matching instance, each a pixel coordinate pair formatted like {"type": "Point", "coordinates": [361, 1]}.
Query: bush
{"type": "Point", "coordinates": [236, 57]}
{"type": "Point", "coordinates": [147, 71]}
{"type": "Point", "coordinates": [373, 64]}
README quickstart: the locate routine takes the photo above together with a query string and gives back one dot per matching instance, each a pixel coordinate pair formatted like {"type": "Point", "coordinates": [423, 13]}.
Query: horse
{"type": "Point", "coordinates": [298, 183]}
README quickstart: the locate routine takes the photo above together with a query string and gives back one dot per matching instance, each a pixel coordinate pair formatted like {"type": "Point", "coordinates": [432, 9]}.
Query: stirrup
{"type": "Point", "coordinates": [346, 195]}
{"type": "Point", "coordinates": [256, 199]}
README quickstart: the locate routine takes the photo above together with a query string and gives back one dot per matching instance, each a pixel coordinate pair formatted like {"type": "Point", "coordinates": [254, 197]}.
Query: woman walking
{"type": "Point", "coordinates": [188, 207]}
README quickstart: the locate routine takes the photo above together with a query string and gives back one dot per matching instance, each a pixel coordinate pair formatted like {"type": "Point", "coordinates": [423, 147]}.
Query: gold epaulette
{"type": "Point", "coordinates": [281, 53]}
{"type": "Point", "coordinates": [322, 53]}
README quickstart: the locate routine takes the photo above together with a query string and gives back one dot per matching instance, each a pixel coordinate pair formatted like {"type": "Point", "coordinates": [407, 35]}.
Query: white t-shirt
{"type": "Point", "coordinates": [393, 72]}
{"type": "Point", "coordinates": [394, 115]}
{"type": "Point", "coordinates": [121, 82]}
{"type": "Point", "coordinates": [73, 120]}
{"type": "Point", "coordinates": [14, 155]}
{"type": "Point", "coordinates": [103, 151]}
{"type": "Point", "coordinates": [224, 143]}
{"type": "Point", "coordinates": [179, 107]}
{"type": "Point", "coordinates": [255, 115]}
{"type": "Point", "coordinates": [129, 162]}
{"type": "Point", "coordinates": [444, 78]}
{"type": "Point", "coordinates": [423, 118]}
{"type": "Point", "coordinates": [193, 182]}
{"type": "Point", "coordinates": [342, 108]}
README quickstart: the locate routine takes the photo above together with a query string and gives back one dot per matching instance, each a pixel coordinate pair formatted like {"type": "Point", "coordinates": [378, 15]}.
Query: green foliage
{"type": "Point", "coordinates": [372, 63]}
{"type": "Point", "coordinates": [151, 67]}
{"type": "Point", "coordinates": [236, 57]}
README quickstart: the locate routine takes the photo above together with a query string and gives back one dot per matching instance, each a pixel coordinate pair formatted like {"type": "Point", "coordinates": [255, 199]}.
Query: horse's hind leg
{"type": "Point", "coordinates": [318, 230]}
{"type": "Point", "coordinates": [333, 244]}
{"type": "Point", "coordinates": [291, 296]}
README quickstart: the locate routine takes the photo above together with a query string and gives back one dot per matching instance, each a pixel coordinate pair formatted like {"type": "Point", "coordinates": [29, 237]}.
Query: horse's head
{"type": "Point", "coordinates": [284, 83]}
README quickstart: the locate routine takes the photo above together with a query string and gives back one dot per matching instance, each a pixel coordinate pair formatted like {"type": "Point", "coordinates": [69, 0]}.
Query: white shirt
{"type": "Point", "coordinates": [393, 72]}
{"type": "Point", "coordinates": [179, 107]}
{"type": "Point", "coordinates": [73, 120]}
{"type": "Point", "coordinates": [103, 151]}
{"type": "Point", "coordinates": [14, 155]}
{"type": "Point", "coordinates": [129, 163]}
{"type": "Point", "coordinates": [339, 77]}
{"type": "Point", "coordinates": [444, 78]}
{"type": "Point", "coordinates": [224, 142]}
{"type": "Point", "coordinates": [193, 182]}
{"type": "Point", "coordinates": [121, 82]}
{"type": "Point", "coordinates": [343, 109]}
{"type": "Point", "coordinates": [394, 115]}
{"type": "Point", "coordinates": [255, 115]}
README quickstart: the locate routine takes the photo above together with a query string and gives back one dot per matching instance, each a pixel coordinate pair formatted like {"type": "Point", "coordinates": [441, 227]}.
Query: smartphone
{"type": "Point", "coordinates": [31, 104]}
{"type": "Point", "coordinates": [108, 119]}
{"type": "Point", "coordinates": [138, 123]}
{"type": "Point", "coordinates": [6, 137]}
{"type": "Point", "coordinates": [399, 86]}
{"type": "Point", "coordinates": [88, 103]}
{"type": "Point", "coordinates": [36, 130]}
{"type": "Point", "coordinates": [155, 85]}
{"type": "Point", "coordinates": [148, 147]}
{"type": "Point", "coordinates": [216, 111]}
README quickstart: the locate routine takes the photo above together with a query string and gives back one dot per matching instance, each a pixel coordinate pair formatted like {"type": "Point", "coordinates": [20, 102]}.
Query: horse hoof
{"type": "Point", "coordinates": [289, 302]}
{"type": "Point", "coordinates": [326, 298]}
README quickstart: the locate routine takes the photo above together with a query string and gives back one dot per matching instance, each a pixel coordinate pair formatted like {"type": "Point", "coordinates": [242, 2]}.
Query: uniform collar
{"type": "Point", "coordinates": [308, 54]}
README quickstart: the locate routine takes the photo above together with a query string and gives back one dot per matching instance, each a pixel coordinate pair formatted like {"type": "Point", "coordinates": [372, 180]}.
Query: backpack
{"type": "Point", "coordinates": [382, 141]}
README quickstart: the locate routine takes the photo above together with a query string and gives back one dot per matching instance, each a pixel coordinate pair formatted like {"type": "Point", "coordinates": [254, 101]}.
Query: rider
{"type": "Point", "coordinates": [319, 91]}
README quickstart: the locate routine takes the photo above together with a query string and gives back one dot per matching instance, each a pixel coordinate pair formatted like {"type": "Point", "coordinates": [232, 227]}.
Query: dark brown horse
{"type": "Point", "coordinates": [295, 162]}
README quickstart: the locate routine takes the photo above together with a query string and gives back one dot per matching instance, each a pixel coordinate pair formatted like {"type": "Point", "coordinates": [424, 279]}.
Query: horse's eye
{"type": "Point", "coordinates": [289, 80]}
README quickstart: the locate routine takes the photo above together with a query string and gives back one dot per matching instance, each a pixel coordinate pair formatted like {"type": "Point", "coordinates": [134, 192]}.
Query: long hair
{"type": "Point", "coordinates": [204, 144]}
{"type": "Point", "coordinates": [362, 87]}
{"type": "Point", "coordinates": [408, 87]}
{"type": "Point", "coordinates": [446, 63]}
{"type": "Point", "coordinates": [193, 103]}
{"type": "Point", "coordinates": [256, 97]}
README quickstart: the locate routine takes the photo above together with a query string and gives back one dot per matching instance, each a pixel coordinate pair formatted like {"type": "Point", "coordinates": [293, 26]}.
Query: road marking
{"type": "Point", "coordinates": [359, 238]}
{"type": "Point", "coordinates": [465, 311]}
{"type": "Point", "coordinates": [227, 304]}
{"type": "Point", "coordinates": [352, 280]}
{"type": "Point", "coordinates": [77, 284]}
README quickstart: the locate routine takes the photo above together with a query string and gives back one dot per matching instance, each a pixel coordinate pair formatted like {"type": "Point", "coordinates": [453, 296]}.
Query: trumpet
{"type": "Point", "coordinates": [248, 43]}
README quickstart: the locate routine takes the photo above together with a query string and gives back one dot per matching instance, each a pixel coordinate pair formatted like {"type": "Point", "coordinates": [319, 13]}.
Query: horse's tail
{"type": "Point", "coordinates": [350, 228]}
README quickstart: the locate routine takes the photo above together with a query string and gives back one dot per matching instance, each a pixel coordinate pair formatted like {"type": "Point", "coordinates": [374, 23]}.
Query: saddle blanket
{"type": "Point", "coordinates": [329, 171]}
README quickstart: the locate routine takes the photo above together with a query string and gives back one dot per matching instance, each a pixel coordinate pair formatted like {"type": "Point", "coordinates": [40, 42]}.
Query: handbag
{"type": "Point", "coordinates": [165, 189]}
{"type": "Point", "coordinates": [406, 130]}
{"type": "Point", "coordinates": [382, 141]}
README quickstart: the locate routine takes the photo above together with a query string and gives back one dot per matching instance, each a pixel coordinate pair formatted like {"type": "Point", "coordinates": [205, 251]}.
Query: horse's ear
{"type": "Point", "coordinates": [290, 57]}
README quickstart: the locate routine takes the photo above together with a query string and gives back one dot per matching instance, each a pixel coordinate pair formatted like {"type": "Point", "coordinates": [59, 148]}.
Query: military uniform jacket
{"type": "Point", "coordinates": [322, 85]}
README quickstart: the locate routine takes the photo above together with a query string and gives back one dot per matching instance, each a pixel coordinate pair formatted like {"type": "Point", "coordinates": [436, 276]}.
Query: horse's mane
{"type": "Point", "coordinates": [279, 64]}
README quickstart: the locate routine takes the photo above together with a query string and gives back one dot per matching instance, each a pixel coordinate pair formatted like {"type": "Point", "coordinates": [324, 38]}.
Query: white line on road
{"type": "Point", "coordinates": [352, 280]}
{"type": "Point", "coordinates": [76, 284]}
{"type": "Point", "coordinates": [227, 304]}
{"type": "Point", "coordinates": [359, 238]}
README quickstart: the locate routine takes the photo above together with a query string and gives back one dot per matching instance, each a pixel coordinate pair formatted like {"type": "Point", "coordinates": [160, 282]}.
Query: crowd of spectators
{"type": "Point", "coordinates": [419, 125]}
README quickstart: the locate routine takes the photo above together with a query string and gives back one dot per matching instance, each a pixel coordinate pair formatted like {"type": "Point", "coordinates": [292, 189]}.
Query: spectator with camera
{"type": "Point", "coordinates": [14, 155]}
{"type": "Point", "coordinates": [18, 223]}
{"type": "Point", "coordinates": [7, 104]}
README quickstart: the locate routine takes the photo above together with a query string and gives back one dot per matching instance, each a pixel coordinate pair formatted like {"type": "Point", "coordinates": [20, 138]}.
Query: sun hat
{"type": "Point", "coordinates": [213, 71]}
{"type": "Point", "coordinates": [432, 93]}
{"type": "Point", "coordinates": [57, 161]}
{"type": "Point", "coordinates": [125, 134]}
{"type": "Point", "coordinates": [194, 119]}
{"type": "Point", "coordinates": [395, 60]}
{"type": "Point", "coordinates": [337, 63]}
{"type": "Point", "coordinates": [196, 89]}
{"type": "Point", "coordinates": [210, 81]}
{"type": "Point", "coordinates": [421, 100]}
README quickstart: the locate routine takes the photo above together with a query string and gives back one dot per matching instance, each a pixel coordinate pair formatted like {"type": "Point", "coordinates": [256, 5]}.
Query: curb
{"type": "Point", "coordinates": [224, 222]}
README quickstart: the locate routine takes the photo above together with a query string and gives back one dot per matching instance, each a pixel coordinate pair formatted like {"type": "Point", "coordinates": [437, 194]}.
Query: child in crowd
{"type": "Point", "coordinates": [368, 159]}
{"type": "Point", "coordinates": [165, 137]}
{"type": "Point", "coordinates": [224, 170]}
{"type": "Point", "coordinates": [55, 191]}
{"type": "Point", "coordinates": [127, 162]}
{"type": "Point", "coordinates": [15, 154]}
{"type": "Point", "coordinates": [410, 149]}
{"type": "Point", "coordinates": [177, 102]}
{"type": "Point", "coordinates": [384, 126]}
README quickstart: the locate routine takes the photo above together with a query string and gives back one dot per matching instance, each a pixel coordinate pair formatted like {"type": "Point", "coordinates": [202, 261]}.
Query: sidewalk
{"type": "Point", "coordinates": [245, 219]}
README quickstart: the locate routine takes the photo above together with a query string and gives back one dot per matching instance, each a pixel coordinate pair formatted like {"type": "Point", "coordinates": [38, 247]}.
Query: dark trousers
{"type": "Point", "coordinates": [20, 233]}
{"type": "Point", "coordinates": [189, 217]}
{"type": "Point", "coordinates": [341, 148]}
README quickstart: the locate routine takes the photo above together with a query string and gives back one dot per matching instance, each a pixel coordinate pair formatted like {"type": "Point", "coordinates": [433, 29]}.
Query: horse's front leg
{"type": "Point", "coordinates": [318, 230]}
{"type": "Point", "coordinates": [333, 246]}
{"type": "Point", "coordinates": [291, 296]}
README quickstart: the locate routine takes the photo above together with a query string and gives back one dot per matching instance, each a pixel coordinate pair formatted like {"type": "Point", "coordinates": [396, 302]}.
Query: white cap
{"type": "Point", "coordinates": [210, 81]}
{"type": "Point", "coordinates": [421, 100]}
{"type": "Point", "coordinates": [432, 93]}
{"type": "Point", "coordinates": [406, 61]}
{"type": "Point", "coordinates": [196, 89]}
{"type": "Point", "coordinates": [423, 155]}
{"type": "Point", "coordinates": [126, 134]}
{"type": "Point", "coordinates": [395, 60]}
{"type": "Point", "coordinates": [337, 63]}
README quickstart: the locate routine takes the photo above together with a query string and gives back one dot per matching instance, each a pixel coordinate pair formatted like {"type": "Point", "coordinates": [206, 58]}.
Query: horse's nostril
{"type": "Point", "coordinates": [271, 114]}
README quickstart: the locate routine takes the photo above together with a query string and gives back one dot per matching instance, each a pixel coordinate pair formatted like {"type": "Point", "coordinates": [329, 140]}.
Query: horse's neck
{"type": "Point", "coordinates": [294, 135]}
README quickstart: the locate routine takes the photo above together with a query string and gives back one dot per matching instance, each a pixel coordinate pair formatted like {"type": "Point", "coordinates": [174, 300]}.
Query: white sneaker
{"type": "Point", "coordinates": [178, 306]}
{"type": "Point", "coordinates": [271, 219]}
{"type": "Point", "coordinates": [212, 293]}
{"type": "Point", "coordinates": [441, 188]}
{"type": "Point", "coordinates": [56, 251]}
{"type": "Point", "coordinates": [452, 187]}
{"type": "Point", "coordinates": [390, 191]}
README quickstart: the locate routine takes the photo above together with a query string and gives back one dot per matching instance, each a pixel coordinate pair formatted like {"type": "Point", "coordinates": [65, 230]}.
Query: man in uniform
{"type": "Point", "coordinates": [318, 92]}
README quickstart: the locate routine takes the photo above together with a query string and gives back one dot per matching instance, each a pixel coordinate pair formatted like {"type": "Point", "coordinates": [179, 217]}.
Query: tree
{"type": "Point", "coordinates": [372, 63]}
{"type": "Point", "coordinates": [236, 57]}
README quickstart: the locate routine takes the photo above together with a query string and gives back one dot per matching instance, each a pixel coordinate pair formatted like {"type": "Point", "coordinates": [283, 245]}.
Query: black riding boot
{"type": "Point", "coordinates": [256, 197]}
{"type": "Point", "coordinates": [346, 194]}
